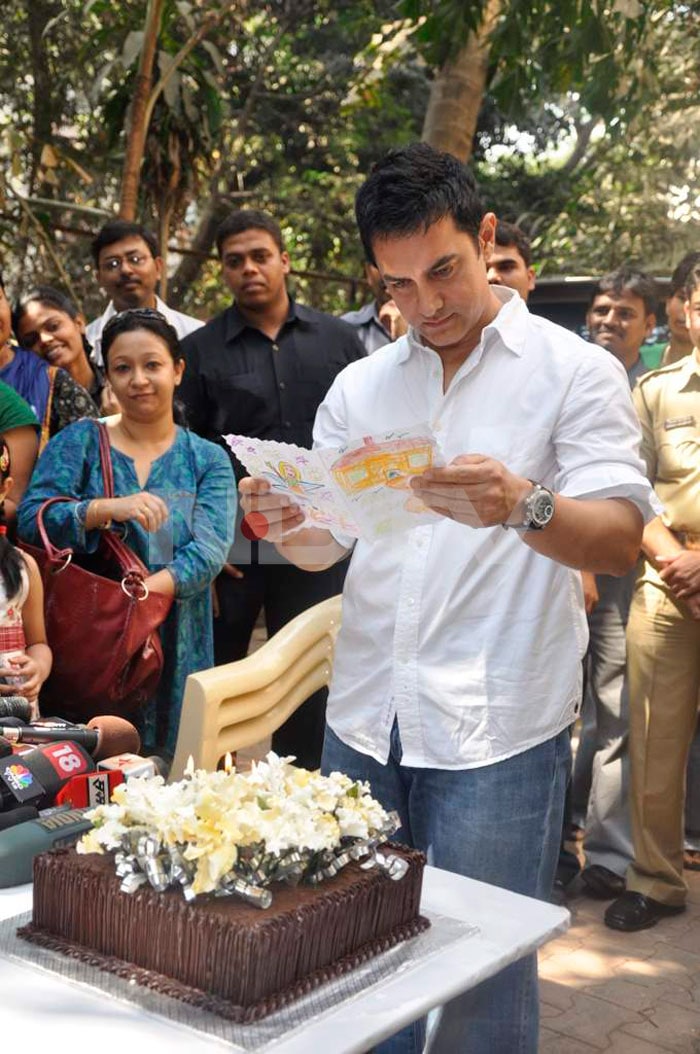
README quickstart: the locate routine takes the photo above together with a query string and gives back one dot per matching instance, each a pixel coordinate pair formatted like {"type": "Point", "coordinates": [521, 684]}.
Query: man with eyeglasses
{"type": "Point", "coordinates": [128, 268]}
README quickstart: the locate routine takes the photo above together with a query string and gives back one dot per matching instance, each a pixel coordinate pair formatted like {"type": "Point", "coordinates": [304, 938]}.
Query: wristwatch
{"type": "Point", "coordinates": [538, 509]}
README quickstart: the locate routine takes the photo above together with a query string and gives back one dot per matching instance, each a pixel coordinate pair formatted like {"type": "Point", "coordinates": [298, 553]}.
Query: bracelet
{"type": "Point", "coordinates": [80, 512]}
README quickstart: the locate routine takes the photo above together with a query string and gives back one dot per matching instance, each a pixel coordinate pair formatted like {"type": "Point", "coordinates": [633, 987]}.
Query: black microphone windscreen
{"type": "Point", "coordinates": [15, 706]}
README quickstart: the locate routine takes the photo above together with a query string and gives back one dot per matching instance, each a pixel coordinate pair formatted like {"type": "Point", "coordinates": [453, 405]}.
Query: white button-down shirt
{"type": "Point", "coordinates": [469, 638]}
{"type": "Point", "coordinates": [182, 324]}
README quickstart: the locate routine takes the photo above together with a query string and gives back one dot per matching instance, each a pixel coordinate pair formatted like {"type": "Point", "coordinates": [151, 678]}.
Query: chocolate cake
{"type": "Point", "coordinates": [219, 952]}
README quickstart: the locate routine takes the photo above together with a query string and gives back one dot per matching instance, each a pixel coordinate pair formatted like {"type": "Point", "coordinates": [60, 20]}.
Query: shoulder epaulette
{"type": "Point", "coordinates": [672, 367]}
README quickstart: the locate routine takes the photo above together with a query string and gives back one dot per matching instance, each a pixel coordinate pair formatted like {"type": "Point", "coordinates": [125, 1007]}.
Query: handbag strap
{"type": "Point", "coordinates": [106, 459]}
{"type": "Point", "coordinates": [57, 555]}
{"type": "Point", "coordinates": [54, 554]}
{"type": "Point", "coordinates": [131, 566]}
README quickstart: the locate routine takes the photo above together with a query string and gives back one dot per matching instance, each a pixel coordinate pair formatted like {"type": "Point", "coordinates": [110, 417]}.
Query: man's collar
{"type": "Point", "coordinates": [111, 310]}
{"type": "Point", "coordinates": [367, 313]}
{"type": "Point", "coordinates": [508, 326]}
{"type": "Point", "coordinates": [236, 322]}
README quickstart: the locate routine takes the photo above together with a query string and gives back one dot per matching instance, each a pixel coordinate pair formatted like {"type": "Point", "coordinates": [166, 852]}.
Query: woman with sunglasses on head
{"type": "Point", "coordinates": [47, 322]}
{"type": "Point", "coordinates": [175, 501]}
{"type": "Point", "coordinates": [56, 399]}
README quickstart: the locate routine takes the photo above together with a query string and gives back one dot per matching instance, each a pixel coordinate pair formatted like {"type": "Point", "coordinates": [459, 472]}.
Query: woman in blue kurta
{"type": "Point", "coordinates": [175, 497]}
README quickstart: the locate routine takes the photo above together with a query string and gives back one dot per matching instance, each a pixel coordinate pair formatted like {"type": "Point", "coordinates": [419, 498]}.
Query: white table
{"type": "Point", "coordinates": [47, 1010]}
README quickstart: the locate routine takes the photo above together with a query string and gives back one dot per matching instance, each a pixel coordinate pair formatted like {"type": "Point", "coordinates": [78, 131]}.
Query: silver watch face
{"type": "Point", "coordinates": [540, 508]}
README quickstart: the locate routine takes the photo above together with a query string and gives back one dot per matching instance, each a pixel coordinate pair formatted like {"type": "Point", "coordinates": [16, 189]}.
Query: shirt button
{"type": "Point", "coordinates": [275, 347]}
{"type": "Point", "coordinates": [287, 424]}
{"type": "Point", "coordinates": [282, 385]}
{"type": "Point", "coordinates": [410, 602]}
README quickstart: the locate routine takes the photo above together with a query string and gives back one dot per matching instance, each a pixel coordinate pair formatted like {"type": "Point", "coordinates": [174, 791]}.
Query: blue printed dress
{"type": "Point", "coordinates": [195, 480]}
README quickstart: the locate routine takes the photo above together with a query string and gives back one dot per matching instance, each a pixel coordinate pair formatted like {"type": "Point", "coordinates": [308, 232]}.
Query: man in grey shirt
{"type": "Point", "coordinates": [378, 322]}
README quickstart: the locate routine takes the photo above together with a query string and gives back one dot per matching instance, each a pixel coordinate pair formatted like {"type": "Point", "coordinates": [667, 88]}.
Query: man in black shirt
{"type": "Point", "coordinates": [261, 368]}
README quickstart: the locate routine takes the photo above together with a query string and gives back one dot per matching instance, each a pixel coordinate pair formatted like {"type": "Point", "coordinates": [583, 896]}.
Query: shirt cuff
{"type": "Point", "coordinates": [638, 492]}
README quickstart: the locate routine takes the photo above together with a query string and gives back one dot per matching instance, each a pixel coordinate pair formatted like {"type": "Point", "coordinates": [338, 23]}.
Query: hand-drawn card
{"type": "Point", "coordinates": [298, 473]}
{"type": "Point", "coordinates": [374, 475]}
{"type": "Point", "coordinates": [362, 489]}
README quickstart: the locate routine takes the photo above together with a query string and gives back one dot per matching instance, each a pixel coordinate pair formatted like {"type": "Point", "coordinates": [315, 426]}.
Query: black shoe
{"type": "Point", "coordinates": [602, 883]}
{"type": "Point", "coordinates": [633, 911]}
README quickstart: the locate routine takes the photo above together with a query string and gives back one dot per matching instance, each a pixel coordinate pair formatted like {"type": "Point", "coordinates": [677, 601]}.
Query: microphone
{"type": "Point", "coordinates": [95, 788]}
{"type": "Point", "coordinates": [89, 789]}
{"type": "Point", "coordinates": [15, 706]}
{"type": "Point", "coordinates": [35, 777]}
{"type": "Point", "coordinates": [102, 736]}
{"type": "Point", "coordinates": [19, 845]}
{"type": "Point", "coordinates": [19, 815]}
{"type": "Point", "coordinates": [130, 765]}
{"type": "Point", "coordinates": [5, 747]}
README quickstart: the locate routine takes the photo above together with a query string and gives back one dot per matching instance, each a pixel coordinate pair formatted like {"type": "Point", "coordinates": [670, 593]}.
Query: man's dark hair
{"type": "Point", "coordinates": [115, 230]}
{"type": "Point", "coordinates": [249, 220]}
{"type": "Point", "coordinates": [682, 272]}
{"type": "Point", "coordinates": [628, 280]}
{"type": "Point", "coordinates": [410, 189]}
{"type": "Point", "coordinates": [511, 234]}
{"type": "Point", "coordinates": [692, 280]}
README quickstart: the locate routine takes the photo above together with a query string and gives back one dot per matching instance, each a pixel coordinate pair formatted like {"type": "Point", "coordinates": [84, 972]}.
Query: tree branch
{"type": "Point", "coordinates": [203, 239]}
{"type": "Point", "coordinates": [210, 20]}
{"type": "Point", "coordinates": [65, 277]}
{"type": "Point", "coordinates": [584, 130]}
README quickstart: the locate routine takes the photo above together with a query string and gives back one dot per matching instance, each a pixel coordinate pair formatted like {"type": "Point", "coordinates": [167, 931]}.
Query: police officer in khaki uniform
{"type": "Point", "coordinates": [663, 637]}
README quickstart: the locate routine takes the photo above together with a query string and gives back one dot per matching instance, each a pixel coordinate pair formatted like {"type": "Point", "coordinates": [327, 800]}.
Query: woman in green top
{"type": "Point", "coordinates": [19, 426]}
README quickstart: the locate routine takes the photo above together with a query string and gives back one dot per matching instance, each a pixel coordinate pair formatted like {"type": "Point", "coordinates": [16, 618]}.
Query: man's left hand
{"type": "Point", "coordinates": [475, 490]}
{"type": "Point", "coordinates": [681, 572]}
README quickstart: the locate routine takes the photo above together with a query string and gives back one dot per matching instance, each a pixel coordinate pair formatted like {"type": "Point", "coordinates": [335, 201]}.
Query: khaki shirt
{"type": "Point", "coordinates": [668, 404]}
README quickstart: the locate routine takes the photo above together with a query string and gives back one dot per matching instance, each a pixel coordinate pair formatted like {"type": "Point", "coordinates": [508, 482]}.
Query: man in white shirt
{"type": "Point", "coordinates": [458, 664]}
{"type": "Point", "coordinates": [129, 267]}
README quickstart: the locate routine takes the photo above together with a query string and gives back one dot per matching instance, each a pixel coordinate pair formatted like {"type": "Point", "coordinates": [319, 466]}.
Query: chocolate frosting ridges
{"type": "Point", "coordinates": [222, 953]}
{"type": "Point", "coordinates": [215, 1004]}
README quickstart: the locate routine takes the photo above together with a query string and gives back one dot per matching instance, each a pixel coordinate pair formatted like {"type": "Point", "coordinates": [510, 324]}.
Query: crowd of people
{"type": "Point", "coordinates": [559, 580]}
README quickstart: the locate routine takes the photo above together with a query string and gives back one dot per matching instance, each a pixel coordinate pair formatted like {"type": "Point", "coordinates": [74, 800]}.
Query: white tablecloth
{"type": "Point", "coordinates": [45, 1009]}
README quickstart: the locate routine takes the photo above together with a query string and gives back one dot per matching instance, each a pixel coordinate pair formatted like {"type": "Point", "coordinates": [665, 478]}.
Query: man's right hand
{"type": "Point", "coordinates": [590, 591]}
{"type": "Point", "coordinates": [268, 515]}
{"type": "Point", "coordinates": [392, 320]}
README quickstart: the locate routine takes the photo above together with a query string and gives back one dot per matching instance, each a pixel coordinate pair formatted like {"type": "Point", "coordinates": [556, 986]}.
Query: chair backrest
{"type": "Point", "coordinates": [237, 705]}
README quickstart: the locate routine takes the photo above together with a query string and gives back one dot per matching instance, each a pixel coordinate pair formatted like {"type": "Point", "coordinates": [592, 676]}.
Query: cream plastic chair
{"type": "Point", "coordinates": [230, 707]}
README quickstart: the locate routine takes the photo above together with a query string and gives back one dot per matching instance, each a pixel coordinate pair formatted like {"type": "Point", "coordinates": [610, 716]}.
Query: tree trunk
{"type": "Point", "coordinates": [39, 14]}
{"type": "Point", "coordinates": [458, 90]}
{"type": "Point", "coordinates": [138, 113]}
{"type": "Point", "coordinates": [217, 207]}
{"type": "Point", "coordinates": [214, 212]}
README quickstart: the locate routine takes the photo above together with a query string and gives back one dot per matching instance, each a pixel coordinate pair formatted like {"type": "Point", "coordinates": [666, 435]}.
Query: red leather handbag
{"type": "Point", "coordinates": [101, 621]}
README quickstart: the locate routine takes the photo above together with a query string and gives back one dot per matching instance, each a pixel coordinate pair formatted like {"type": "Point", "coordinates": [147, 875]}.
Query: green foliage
{"type": "Point", "coordinates": [286, 105]}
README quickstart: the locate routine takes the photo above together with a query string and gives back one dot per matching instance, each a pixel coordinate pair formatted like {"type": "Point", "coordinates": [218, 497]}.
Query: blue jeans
{"type": "Point", "coordinates": [501, 824]}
